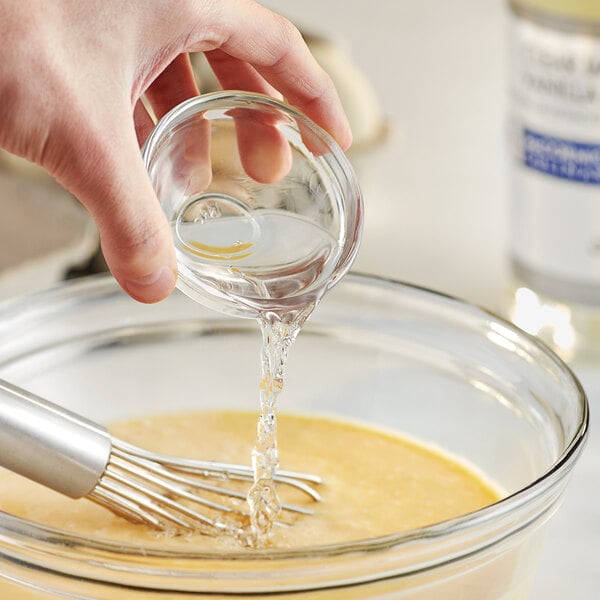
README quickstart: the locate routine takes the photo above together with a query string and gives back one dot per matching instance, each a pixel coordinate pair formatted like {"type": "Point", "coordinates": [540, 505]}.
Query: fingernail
{"type": "Point", "coordinates": [152, 287]}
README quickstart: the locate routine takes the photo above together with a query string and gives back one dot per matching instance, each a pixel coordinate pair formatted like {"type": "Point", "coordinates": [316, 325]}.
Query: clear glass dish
{"type": "Point", "coordinates": [374, 350]}
{"type": "Point", "coordinates": [264, 207]}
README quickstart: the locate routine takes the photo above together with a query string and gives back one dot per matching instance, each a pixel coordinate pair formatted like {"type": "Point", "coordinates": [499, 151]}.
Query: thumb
{"type": "Point", "coordinates": [106, 173]}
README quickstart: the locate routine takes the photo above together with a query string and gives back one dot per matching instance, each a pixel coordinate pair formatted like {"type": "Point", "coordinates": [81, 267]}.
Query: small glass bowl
{"type": "Point", "coordinates": [381, 352]}
{"type": "Point", "coordinates": [264, 207]}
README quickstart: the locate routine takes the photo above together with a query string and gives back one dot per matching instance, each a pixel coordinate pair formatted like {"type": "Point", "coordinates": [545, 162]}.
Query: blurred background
{"type": "Point", "coordinates": [425, 85]}
{"type": "Point", "coordinates": [434, 178]}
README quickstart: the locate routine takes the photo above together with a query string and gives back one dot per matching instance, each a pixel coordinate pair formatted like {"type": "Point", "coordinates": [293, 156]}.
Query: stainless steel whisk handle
{"type": "Point", "coordinates": [49, 444]}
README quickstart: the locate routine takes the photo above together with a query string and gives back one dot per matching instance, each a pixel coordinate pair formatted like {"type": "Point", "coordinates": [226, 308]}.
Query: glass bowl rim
{"type": "Point", "coordinates": [102, 285]}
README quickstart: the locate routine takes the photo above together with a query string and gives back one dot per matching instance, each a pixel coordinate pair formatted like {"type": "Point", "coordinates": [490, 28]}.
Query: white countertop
{"type": "Point", "coordinates": [436, 199]}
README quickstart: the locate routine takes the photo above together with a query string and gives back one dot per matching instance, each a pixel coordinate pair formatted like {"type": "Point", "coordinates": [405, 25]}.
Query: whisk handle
{"type": "Point", "coordinates": [49, 444]}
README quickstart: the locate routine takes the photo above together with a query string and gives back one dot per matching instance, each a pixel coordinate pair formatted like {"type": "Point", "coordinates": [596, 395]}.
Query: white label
{"type": "Point", "coordinates": [555, 138]}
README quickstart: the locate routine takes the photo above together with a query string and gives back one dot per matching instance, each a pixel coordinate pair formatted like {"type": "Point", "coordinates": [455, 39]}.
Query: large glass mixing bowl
{"type": "Point", "coordinates": [374, 350]}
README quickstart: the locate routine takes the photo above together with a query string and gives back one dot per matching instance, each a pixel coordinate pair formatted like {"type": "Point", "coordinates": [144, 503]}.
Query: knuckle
{"type": "Point", "coordinates": [285, 39]}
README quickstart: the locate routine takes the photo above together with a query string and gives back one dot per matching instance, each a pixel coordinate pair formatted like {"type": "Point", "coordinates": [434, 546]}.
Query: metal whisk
{"type": "Point", "coordinates": [79, 458]}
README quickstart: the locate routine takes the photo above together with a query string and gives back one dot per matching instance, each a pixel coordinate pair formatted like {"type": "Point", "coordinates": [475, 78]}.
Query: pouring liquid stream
{"type": "Point", "coordinates": [263, 500]}
{"type": "Point", "coordinates": [276, 267]}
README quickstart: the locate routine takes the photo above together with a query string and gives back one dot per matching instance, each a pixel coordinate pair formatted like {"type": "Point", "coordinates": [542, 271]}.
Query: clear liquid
{"type": "Point", "coordinates": [263, 500]}
{"type": "Point", "coordinates": [250, 262]}
{"type": "Point", "coordinates": [273, 265]}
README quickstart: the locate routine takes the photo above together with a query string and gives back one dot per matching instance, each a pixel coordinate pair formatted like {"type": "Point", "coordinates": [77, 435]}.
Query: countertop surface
{"type": "Point", "coordinates": [436, 196]}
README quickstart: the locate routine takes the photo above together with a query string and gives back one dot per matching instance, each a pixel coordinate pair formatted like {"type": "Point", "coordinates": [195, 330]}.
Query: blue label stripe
{"type": "Point", "coordinates": [562, 158]}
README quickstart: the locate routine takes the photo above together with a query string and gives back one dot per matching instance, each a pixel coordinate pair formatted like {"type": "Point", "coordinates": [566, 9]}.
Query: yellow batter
{"type": "Point", "coordinates": [375, 483]}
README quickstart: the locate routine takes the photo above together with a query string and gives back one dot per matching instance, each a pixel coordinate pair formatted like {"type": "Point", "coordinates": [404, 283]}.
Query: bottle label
{"type": "Point", "coordinates": [555, 170]}
{"type": "Point", "coordinates": [574, 161]}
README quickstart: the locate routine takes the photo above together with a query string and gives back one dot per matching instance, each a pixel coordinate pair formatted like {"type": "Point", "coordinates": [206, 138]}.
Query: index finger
{"type": "Point", "coordinates": [275, 48]}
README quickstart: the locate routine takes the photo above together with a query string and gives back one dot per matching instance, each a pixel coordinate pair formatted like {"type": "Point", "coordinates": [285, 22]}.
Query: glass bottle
{"type": "Point", "coordinates": [554, 140]}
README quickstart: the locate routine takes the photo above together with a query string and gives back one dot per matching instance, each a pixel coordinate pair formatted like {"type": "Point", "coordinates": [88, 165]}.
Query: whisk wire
{"type": "Point", "coordinates": [141, 486]}
{"type": "Point", "coordinates": [165, 477]}
{"type": "Point", "coordinates": [146, 503]}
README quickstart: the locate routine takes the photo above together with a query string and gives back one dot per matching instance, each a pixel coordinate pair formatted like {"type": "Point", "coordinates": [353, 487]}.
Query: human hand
{"type": "Point", "coordinates": [71, 77]}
